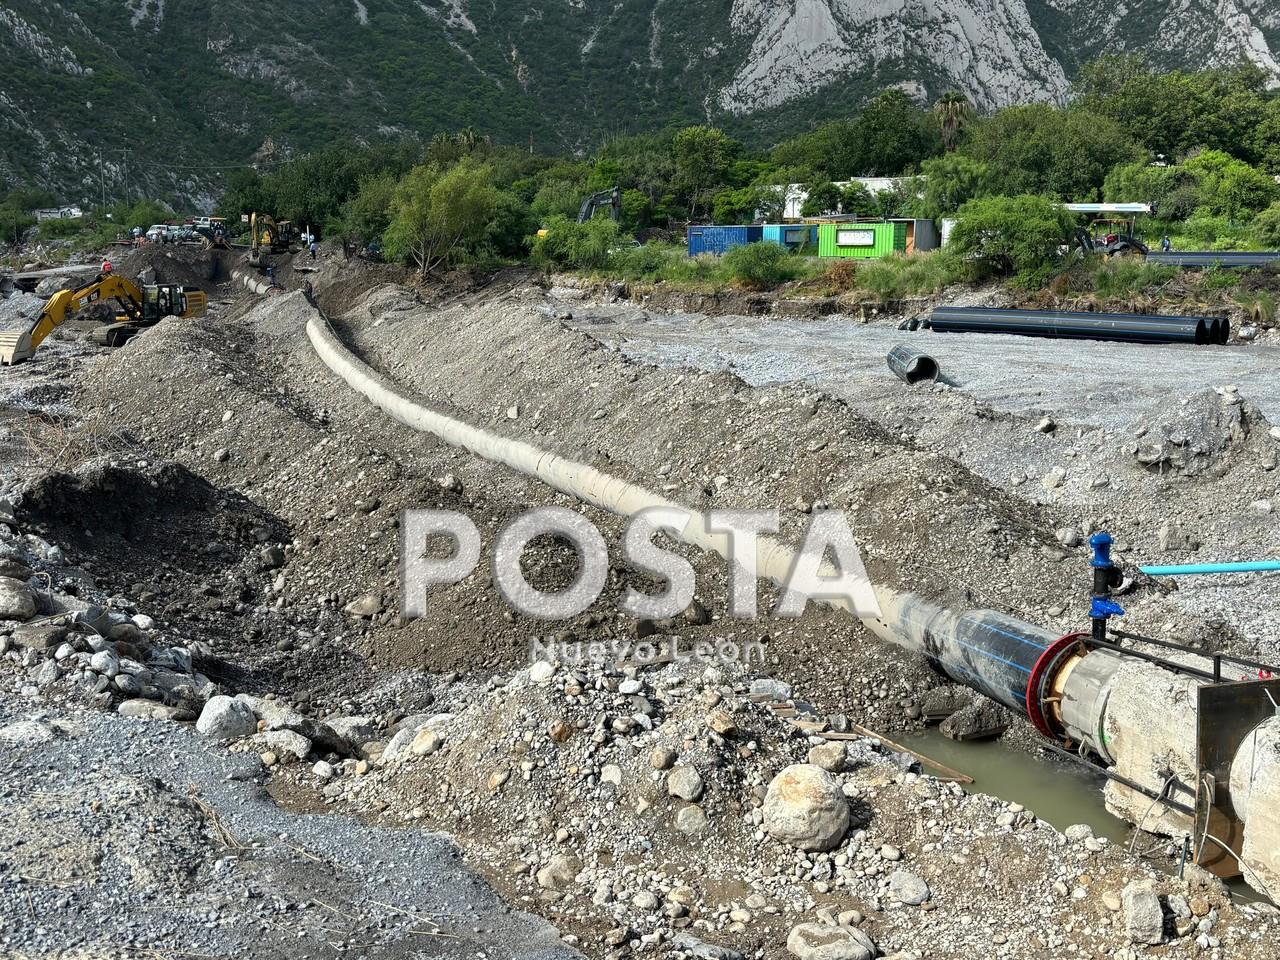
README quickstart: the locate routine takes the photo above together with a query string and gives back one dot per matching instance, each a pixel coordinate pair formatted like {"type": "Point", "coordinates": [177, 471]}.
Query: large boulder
{"type": "Point", "coordinates": [805, 808]}
{"type": "Point", "coordinates": [17, 602]}
{"type": "Point", "coordinates": [821, 941]}
{"type": "Point", "coordinates": [225, 718]}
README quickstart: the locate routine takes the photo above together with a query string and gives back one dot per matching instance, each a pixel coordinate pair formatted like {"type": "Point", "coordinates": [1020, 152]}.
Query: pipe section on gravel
{"type": "Point", "coordinates": [1069, 325]}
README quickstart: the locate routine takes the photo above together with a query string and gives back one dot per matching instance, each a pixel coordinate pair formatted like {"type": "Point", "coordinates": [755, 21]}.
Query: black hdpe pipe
{"type": "Point", "coordinates": [1120, 327]}
{"type": "Point", "coordinates": [983, 649]}
{"type": "Point", "coordinates": [912, 366]}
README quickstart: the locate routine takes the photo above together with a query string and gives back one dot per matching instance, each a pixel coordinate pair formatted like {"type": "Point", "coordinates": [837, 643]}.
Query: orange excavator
{"type": "Point", "coordinates": [140, 306]}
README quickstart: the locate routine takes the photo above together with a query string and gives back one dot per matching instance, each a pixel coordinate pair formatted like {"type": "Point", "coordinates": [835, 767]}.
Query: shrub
{"type": "Point", "coordinates": [1259, 306]}
{"type": "Point", "coordinates": [1126, 276]}
{"type": "Point", "coordinates": [1213, 231]}
{"type": "Point", "coordinates": [759, 266]}
{"type": "Point", "coordinates": [1266, 228]}
{"type": "Point", "coordinates": [652, 261]}
{"type": "Point", "coordinates": [577, 246]}
{"type": "Point", "coordinates": [1022, 235]}
{"type": "Point", "coordinates": [917, 274]}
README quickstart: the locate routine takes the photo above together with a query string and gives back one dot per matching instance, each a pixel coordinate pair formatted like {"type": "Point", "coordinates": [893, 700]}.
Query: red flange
{"type": "Point", "coordinates": [1040, 673]}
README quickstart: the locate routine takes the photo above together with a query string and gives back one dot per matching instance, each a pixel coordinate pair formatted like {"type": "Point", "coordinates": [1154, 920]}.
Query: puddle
{"type": "Point", "coordinates": [1060, 793]}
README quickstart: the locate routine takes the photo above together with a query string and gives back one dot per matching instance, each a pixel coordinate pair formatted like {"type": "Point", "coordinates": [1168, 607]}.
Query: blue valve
{"type": "Point", "coordinates": [1101, 609]}
{"type": "Point", "coordinates": [1101, 543]}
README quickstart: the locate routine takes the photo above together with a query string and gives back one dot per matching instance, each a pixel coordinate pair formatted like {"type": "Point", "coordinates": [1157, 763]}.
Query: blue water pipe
{"type": "Point", "coordinates": [1200, 569]}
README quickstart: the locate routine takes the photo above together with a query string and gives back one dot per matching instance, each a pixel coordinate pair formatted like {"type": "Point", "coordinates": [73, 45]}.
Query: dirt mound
{"type": "Point", "coordinates": [1203, 432]}
{"type": "Point", "coordinates": [191, 266]}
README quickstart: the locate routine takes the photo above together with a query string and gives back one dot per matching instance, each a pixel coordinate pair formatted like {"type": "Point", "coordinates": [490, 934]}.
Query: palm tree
{"type": "Point", "coordinates": [953, 111]}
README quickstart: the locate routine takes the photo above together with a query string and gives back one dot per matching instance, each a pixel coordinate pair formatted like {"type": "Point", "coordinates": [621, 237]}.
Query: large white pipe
{"type": "Point", "coordinates": [773, 559]}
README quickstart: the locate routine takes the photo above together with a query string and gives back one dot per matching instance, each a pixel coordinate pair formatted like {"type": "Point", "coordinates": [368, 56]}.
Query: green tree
{"type": "Point", "coordinates": [636, 210]}
{"type": "Point", "coordinates": [1039, 149]}
{"type": "Point", "coordinates": [826, 152]}
{"type": "Point", "coordinates": [1174, 112]}
{"type": "Point", "coordinates": [953, 112]}
{"type": "Point", "coordinates": [948, 182]}
{"type": "Point", "coordinates": [892, 135]}
{"type": "Point", "coordinates": [856, 198]}
{"type": "Point", "coordinates": [734, 206]}
{"type": "Point", "coordinates": [507, 233]}
{"type": "Point", "coordinates": [366, 216]}
{"type": "Point", "coordinates": [821, 198]}
{"type": "Point", "coordinates": [581, 246]}
{"type": "Point", "coordinates": [439, 215]}
{"type": "Point", "coordinates": [1020, 235]}
{"type": "Point", "coordinates": [770, 202]}
{"type": "Point", "coordinates": [558, 198]}
{"type": "Point", "coordinates": [702, 156]}
{"type": "Point", "coordinates": [1229, 187]}
{"type": "Point", "coordinates": [1266, 228]}
{"type": "Point", "coordinates": [14, 222]}
{"type": "Point", "coordinates": [1171, 191]}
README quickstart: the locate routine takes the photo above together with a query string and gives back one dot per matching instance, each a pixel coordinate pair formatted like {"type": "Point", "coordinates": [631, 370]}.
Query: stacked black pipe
{"type": "Point", "coordinates": [1121, 327]}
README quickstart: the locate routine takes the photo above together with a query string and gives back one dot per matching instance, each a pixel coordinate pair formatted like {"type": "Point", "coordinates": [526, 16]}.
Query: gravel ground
{"type": "Point", "coordinates": [123, 837]}
{"type": "Point", "coordinates": [1088, 383]}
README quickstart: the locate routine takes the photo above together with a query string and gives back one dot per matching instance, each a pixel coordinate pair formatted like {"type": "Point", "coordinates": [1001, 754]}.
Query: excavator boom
{"type": "Point", "coordinates": [140, 307]}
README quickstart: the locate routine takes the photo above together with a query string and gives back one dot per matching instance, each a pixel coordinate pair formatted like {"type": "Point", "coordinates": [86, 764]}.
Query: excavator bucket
{"type": "Point", "coordinates": [15, 346]}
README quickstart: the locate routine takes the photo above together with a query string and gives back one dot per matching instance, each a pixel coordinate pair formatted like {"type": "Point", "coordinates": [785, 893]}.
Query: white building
{"type": "Point", "coordinates": [797, 195]}
{"type": "Point", "coordinates": [58, 213]}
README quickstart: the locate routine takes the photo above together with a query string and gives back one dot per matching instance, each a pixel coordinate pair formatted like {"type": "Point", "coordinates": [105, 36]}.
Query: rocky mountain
{"type": "Point", "coordinates": [118, 97]}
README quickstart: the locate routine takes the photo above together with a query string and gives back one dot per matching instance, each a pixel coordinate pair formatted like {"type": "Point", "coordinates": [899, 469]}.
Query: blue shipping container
{"type": "Point", "coordinates": [720, 240]}
{"type": "Point", "coordinates": [791, 235]}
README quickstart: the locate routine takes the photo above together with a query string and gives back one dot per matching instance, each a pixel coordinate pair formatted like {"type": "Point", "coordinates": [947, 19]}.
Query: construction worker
{"type": "Point", "coordinates": [314, 246]}
{"type": "Point", "coordinates": [1166, 244]}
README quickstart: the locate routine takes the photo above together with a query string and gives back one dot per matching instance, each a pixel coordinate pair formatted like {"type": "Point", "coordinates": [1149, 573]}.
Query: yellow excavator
{"type": "Point", "coordinates": [268, 235]}
{"type": "Point", "coordinates": [140, 306]}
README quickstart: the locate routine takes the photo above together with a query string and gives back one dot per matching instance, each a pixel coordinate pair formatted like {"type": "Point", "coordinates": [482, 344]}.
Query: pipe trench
{"type": "Point", "coordinates": [1091, 698]}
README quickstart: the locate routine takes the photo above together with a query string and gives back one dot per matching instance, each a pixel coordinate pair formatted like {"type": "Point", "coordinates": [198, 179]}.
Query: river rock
{"type": "Point", "coordinates": [225, 718]}
{"type": "Point", "coordinates": [828, 756]}
{"type": "Point", "coordinates": [17, 602]}
{"type": "Point", "coordinates": [701, 950]}
{"type": "Point", "coordinates": [366, 607]}
{"type": "Point", "coordinates": [691, 818]}
{"type": "Point", "coordinates": [805, 808]}
{"type": "Point", "coordinates": [1143, 916]}
{"type": "Point", "coordinates": [685, 783]}
{"type": "Point", "coordinates": [560, 872]}
{"type": "Point", "coordinates": [819, 941]}
{"type": "Point", "coordinates": [358, 729]}
{"type": "Point", "coordinates": [909, 888]}
{"type": "Point", "coordinates": [285, 744]}
{"type": "Point", "coordinates": [151, 710]}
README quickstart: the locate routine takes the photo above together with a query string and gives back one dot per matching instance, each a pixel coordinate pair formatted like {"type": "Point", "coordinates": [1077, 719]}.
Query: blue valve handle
{"type": "Point", "coordinates": [1102, 609]}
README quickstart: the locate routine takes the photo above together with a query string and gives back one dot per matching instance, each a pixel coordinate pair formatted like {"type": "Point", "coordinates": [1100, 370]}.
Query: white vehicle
{"type": "Point", "coordinates": [156, 233]}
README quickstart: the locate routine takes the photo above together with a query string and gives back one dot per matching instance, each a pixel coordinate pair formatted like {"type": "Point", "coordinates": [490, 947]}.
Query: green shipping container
{"type": "Point", "coordinates": [869, 241]}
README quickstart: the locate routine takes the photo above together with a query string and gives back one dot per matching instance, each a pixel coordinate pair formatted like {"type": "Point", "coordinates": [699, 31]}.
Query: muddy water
{"type": "Point", "coordinates": [1061, 793]}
